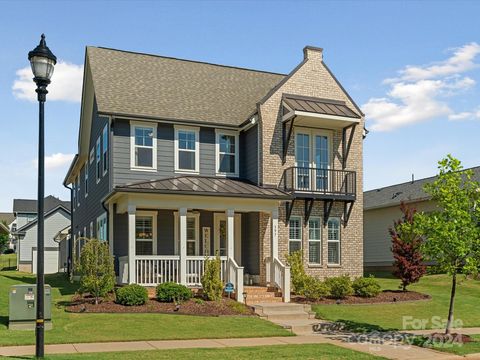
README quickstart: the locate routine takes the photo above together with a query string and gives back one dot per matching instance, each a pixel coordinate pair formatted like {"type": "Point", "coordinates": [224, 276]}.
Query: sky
{"type": "Point", "coordinates": [413, 68]}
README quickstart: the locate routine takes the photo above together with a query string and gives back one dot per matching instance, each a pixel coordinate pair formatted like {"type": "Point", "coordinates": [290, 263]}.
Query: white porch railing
{"type": "Point", "coordinates": [235, 276]}
{"type": "Point", "coordinates": [278, 274]}
{"type": "Point", "coordinates": [156, 269]}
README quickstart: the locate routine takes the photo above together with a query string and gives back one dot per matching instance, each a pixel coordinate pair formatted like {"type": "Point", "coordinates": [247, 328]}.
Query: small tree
{"type": "Point", "coordinates": [299, 278]}
{"type": "Point", "coordinates": [3, 242]}
{"type": "Point", "coordinates": [452, 233]}
{"type": "Point", "coordinates": [406, 242]}
{"type": "Point", "coordinates": [97, 275]}
{"type": "Point", "coordinates": [211, 281]}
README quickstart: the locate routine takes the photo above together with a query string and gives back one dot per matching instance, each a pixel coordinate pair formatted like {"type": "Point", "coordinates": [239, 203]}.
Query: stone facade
{"type": "Point", "coordinates": [311, 78]}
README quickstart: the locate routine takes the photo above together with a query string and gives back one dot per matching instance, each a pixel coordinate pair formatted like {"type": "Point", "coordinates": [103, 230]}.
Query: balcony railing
{"type": "Point", "coordinates": [326, 183]}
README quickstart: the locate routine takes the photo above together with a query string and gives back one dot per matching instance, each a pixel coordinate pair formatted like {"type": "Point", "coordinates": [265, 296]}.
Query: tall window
{"type": "Point", "coordinates": [302, 151]}
{"type": "Point", "coordinates": [321, 162]}
{"type": "Point", "coordinates": [295, 234]}
{"type": "Point", "coordinates": [86, 179]}
{"type": "Point", "coordinates": [78, 190]}
{"type": "Point", "coordinates": [314, 241]}
{"type": "Point", "coordinates": [334, 241]}
{"type": "Point", "coordinates": [186, 149]}
{"type": "Point", "coordinates": [102, 227]}
{"type": "Point", "coordinates": [192, 235]}
{"type": "Point", "coordinates": [227, 153]}
{"type": "Point", "coordinates": [105, 149]}
{"type": "Point", "coordinates": [143, 146]}
{"type": "Point", "coordinates": [97, 159]}
{"type": "Point", "coordinates": [145, 242]}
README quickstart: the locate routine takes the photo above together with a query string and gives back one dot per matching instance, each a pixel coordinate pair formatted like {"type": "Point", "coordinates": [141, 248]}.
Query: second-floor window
{"type": "Point", "coordinates": [105, 149]}
{"type": "Point", "coordinates": [143, 146]}
{"type": "Point", "coordinates": [227, 153]}
{"type": "Point", "coordinates": [86, 179]}
{"type": "Point", "coordinates": [97, 159]}
{"type": "Point", "coordinates": [187, 149]}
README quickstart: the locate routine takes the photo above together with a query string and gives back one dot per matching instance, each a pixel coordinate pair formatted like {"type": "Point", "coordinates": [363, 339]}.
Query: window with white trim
{"type": "Point", "coordinates": [187, 149]}
{"type": "Point", "coordinates": [295, 234]}
{"type": "Point", "coordinates": [97, 158]}
{"type": "Point", "coordinates": [143, 146]}
{"type": "Point", "coordinates": [92, 155]}
{"type": "Point", "coordinates": [227, 153]}
{"type": "Point", "coordinates": [78, 190]}
{"type": "Point", "coordinates": [102, 227]}
{"type": "Point", "coordinates": [91, 230]}
{"type": "Point", "coordinates": [145, 234]}
{"type": "Point", "coordinates": [192, 235]}
{"type": "Point", "coordinates": [333, 226]}
{"type": "Point", "coordinates": [105, 149]}
{"type": "Point", "coordinates": [314, 241]}
{"type": "Point", "coordinates": [86, 179]}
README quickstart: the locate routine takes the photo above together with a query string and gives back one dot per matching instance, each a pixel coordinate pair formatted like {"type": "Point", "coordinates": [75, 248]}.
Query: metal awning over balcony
{"type": "Point", "coordinates": [317, 112]}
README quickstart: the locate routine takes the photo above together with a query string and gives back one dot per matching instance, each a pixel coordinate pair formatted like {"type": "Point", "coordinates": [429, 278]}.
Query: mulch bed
{"type": "Point", "coordinates": [438, 338]}
{"type": "Point", "coordinates": [387, 296]}
{"type": "Point", "coordinates": [80, 304]}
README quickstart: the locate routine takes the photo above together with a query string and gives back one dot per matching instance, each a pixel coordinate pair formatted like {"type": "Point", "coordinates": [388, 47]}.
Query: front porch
{"type": "Point", "coordinates": [161, 238]}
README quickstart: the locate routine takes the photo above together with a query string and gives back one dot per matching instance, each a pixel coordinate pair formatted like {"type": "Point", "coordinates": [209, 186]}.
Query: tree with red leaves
{"type": "Point", "coordinates": [406, 242]}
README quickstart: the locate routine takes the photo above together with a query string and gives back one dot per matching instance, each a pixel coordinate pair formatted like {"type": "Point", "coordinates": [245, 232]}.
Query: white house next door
{"type": "Point", "coordinates": [220, 236]}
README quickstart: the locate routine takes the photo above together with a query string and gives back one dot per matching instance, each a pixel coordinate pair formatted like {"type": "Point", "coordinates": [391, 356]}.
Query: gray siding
{"type": "Point", "coordinates": [55, 222]}
{"type": "Point", "coordinates": [249, 154]}
{"type": "Point", "coordinates": [250, 243]}
{"type": "Point", "coordinates": [91, 206]}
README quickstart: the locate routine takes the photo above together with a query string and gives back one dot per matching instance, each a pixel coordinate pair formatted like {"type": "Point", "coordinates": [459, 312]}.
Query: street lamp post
{"type": "Point", "coordinates": [42, 62]}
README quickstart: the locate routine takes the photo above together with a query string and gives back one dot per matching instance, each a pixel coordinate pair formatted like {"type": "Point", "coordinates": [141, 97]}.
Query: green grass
{"type": "Point", "coordinates": [75, 328]}
{"type": "Point", "coordinates": [458, 349]}
{"type": "Point", "coordinates": [8, 261]}
{"type": "Point", "coordinates": [389, 316]}
{"type": "Point", "coordinates": [307, 351]}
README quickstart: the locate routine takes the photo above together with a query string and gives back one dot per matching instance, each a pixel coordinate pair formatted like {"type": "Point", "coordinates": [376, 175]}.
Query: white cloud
{"type": "Point", "coordinates": [55, 161]}
{"type": "Point", "coordinates": [66, 83]}
{"type": "Point", "coordinates": [420, 93]}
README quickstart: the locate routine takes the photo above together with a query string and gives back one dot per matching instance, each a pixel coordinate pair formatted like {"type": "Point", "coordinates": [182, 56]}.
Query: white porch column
{"type": "Point", "coordinates": [110, 228]}
{"type": "Point", "coordinates": [273, 244]}
{"type": "Point", "coordinates": [182, 214]}
{"type": "Point", "coordinates": [131, 243]}
{"type": "Point", "coordinates": [230, 214]}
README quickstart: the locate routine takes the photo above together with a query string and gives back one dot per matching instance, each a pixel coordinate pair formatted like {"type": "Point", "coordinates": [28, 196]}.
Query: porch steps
{"type": "Point", "coordinates": [298, 318]}
{"type": "Point", "coordinates": [262, 294]}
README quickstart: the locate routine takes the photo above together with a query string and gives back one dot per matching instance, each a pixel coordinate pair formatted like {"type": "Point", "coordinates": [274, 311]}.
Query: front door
{"type": "Point", "coordinates": [220, 236]}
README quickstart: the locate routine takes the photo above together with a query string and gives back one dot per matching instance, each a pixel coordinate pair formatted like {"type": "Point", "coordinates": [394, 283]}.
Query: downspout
{"type": "Point", "coordinates": [70, 247]}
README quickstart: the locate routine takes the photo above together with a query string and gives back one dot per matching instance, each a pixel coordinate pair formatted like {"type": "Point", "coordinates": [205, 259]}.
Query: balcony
{"type": "Point", "coordinates": [321, 184]}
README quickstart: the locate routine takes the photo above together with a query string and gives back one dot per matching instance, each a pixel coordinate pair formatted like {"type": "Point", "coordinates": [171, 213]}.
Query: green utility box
{"type": "Point", "coordinates": [23, 307]}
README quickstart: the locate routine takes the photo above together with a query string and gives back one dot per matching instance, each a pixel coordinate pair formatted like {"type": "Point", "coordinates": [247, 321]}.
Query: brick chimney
{"type": "Point", "coordinates": [312, 52]}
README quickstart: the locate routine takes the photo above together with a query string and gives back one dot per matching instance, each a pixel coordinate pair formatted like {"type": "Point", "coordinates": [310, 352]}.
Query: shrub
{"type": "Point", "coordinates": [173, 292]}
{"type": "Point", "coordinates": [297, 272]}
{"type": "Point", "coordinates": [366, 287]}
{"type": "Point", "coordinates": [211, 280]}
{"type": "Point", "coordinates": [9, 251]}
{"type": "Point", "coordinates": [132, 295]}
{"type": "Point", "coordinates": [314, 289]}
{"type": "Point", "coordinates": [97, 275]}
{"type": "Point", "coordinates": [339, 287]}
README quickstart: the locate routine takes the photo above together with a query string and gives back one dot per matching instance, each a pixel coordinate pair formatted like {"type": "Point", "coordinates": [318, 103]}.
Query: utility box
{"type": "Point", "coordinates": [23, 307]}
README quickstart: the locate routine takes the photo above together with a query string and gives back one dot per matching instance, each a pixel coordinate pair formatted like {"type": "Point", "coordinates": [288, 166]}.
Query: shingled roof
{"type": "Point", "coordinates": [408, 192]}
{"type": "Point", "coordinates": [30, 206]}
{"type": "Point", "coordinates": [174, 89]}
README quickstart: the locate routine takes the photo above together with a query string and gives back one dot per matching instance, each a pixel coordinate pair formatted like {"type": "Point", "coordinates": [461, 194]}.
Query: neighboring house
{"type": "Point", "coordinates": [57, 217]}
{"type": "Point", "coordinates": [6, 223]}
{"type": "Point", "coordinates": [381, 208]}
{"type": "Point", "coordinates": [179, 159]}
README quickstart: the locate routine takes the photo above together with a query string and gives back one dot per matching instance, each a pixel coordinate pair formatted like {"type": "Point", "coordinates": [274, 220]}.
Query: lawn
{"type": "Point", "coordinates": [74, 328]}
{"type": "Point", "coordinates": [8, 261]}
{"type": "Point", "coordinates": [390, 316]}
{"type": "Point", "coordinates": [306, 351]}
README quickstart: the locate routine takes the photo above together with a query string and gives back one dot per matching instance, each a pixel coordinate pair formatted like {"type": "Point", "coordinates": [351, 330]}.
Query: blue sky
{"type": "Point", "coordinates": [412, 67]}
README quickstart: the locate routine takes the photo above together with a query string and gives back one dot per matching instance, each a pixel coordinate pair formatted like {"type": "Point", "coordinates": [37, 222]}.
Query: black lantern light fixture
{"type": "Point", "coordinates": [43, 62]}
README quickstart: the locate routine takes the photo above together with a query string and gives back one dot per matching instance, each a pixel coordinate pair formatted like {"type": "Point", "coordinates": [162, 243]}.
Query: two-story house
{"type": "Point", "coordinates": [179, 159]}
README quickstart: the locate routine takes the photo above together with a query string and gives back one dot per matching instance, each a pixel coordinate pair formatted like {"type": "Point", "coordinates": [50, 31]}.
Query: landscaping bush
{"type": "Point", "coordinates": [173, 292]}
{"type": "Point", "coordinates": [97, 275]}
{"type": "Point", "coordinates": [314, 289]}
{"type": "Point", "coordinates": [131, 295]}
{"type": "Point", "coordinates": [366, 287]}
{"type": "Point", "coordinates": [211, 280]}
{"type": "Point", "coordinates": [9, 251]}
{"type": "Point", "coordinates": [297, 272]}
{"type": "Point", "coordinates": [339, 287]}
